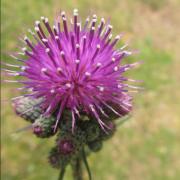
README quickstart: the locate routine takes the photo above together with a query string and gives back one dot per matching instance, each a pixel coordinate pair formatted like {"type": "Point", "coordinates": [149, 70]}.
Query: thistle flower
{"type": "Point", "coordinates": [75, 68]}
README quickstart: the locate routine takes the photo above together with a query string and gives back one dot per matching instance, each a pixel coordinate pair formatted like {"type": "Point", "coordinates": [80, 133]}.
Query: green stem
{"type": "Point", "coordinates": [86, 164]}
{"type": "Point", "coordinates": [77, 170]}
{"type": "Point", "coordinates": [61, 174]}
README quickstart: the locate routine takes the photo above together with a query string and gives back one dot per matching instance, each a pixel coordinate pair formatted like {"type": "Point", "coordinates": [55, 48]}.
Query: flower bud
{"type": "Point", "coordinates": [27, 108]}
{"type": "Point", "coordinates": [92, 131]}
{"type": "Point", "coordinates": [95, 146]}
{"type": "Point", "coordinates": [66, 147]}
{"type": "Point", "coordinates": [43, 127]}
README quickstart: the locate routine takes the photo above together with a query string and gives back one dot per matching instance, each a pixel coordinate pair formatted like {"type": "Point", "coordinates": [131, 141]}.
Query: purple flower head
{"type": "Point", "coordinates": [76, 67]}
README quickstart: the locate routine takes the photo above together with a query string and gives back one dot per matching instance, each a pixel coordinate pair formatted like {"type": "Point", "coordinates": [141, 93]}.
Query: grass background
{"type": "Point", "coordinates": [147, 146]}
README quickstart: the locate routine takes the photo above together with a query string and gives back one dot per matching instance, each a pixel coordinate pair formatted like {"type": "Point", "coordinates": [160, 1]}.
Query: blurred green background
{"type": "Point", "coordinates": [147, 147]}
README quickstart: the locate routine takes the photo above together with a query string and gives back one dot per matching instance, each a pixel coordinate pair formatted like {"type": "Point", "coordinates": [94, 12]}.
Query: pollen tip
{"type": "Point", "coordinates": [99, 64]}
{"type": "Point", "coordinates": [117, 37]}
{"type": "Point", "coordinates": [37, 22]}
{"type": "Point", "coordinates": [103, 20]}
{"type": "Point", "coordinates": [62, 52]}
{"type": "Point", "coordinates": [115, 68]}
{"type": "Point", "coordinates": [47, 50]}
{"type": "Point", "coordinates": [36, 29]}
{"type": "Point", "coordinates": [113, 59]}
{"type": "Point", "coordinates": [110, 26]}
{"type": "Point", "coordinates": [101, 89]}
{"type": "Point", "coordinates": [110, 36]}
{"type": "Point", "coordinates": [56, 37]}
{"type": "Point", "coordinates": [59, 69]}
{"type": "Point", "coordinates": [98, 46]}
{"type": "Point", "coordinates": [77, 61]}
{"type": "Point", "coordinates": [46, 20]}
{"type": "Point", "coordinates": [68, 85]}
{"type": "Point", "coordinates": [63, 13]}
{"type": "Point", "coordinates": [23, 68]}
{"type": "Point", "coordinates": [25, 38]}
{"type": "Point", "coordinates": [52, 91]}
{"type": "Point", "coordinates": [75, 12]}
{"type": "Point", "coordinates": [44, 70]}
{"type": "Point", "coordinates": [24, 49]}
{"type": "Point", "coordinates": [64, 19]}
{"type": "Point", "coordinates": [42, 18]}
{"type": "Point", "coordinates": [94, 16]}
{"type": "Point", "coordinates": [77, 45]}
{"type": "Point", "coordinates": [44, 40]}
{"type": "Point", "coordinates": [87, 74]}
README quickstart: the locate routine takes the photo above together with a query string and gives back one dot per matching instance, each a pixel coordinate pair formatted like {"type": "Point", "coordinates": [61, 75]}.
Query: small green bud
{"type": "Point", "coordinates": [95, 146]}
{"type": "Point", "coordinates": [58, 160]}
{"type": "Point", "coordinates": [92, 131]}
{"type": "Point", "coordinates": [44, 127]}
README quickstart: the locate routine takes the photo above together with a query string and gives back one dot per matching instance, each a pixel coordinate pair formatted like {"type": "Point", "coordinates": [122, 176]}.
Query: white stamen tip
{"type": "Point", "coordinates": [110, 26]}
{"type": "Point", "coordinates": [68, 85]}
{"type": "Point", "coordinates": [56, 37]}
{"type": "Point", "coordinates": [44, 40]}
{"type": "Point", "coordinates": [92, 107]}
{"type": "Point", "coordinates": [110, 36]}
{"type": "Point", "coordinates": [79, 24]}
{"type": "Point", "coordinates": [24, 49]}
{"type": "Point", "coordinates": [94, 20]}
{"type": "Point", "coordinates": [46, 20]}
{"type": "Point", "coordinates": [42, 18]}
{"type": "Point", "coordinates": [47, 50]}
{"type": "Point", "coordinates": [25, 38]}
{"type": "Point", "coordinates": [119, 86]}
{"type": "Point", "coordinates": [117, 37]}
{"type": "Point", "coordinates": [77, 61]}
{"type": "Point", "coordinates": [44, 70]}
{"type": "Point", "coordinates": [75, 12]}
{"type": "Point", "coordinates": [36, 29]}
{"type": "Point", "coordinates": [52, 91]}
{"type": "Point", "coordinates": [64, 19]}
{"type": "Point", "coordinates": [54, 27]}
{"type": "Point", "coordinates": [98, 46]}
{"type": "Point", "coordinates": [98, 64]}
{"type": "Point", "coordinates": [113, 59]}
{"type": "Point", "coordinates": [62, 52]}
{"type": "Point", "coordinates": [87, 19]}
{"type": "Point", "coordinates": [84, 37]}
{"type": "Point", "coordinates": [63, 13]}
{"type": "Point", "coordinates": [23, 68]}
{"type": "Point", "coordinates": [127, 52]}
{"type": "Point", "coordinates": [95, 16]}
{"type": "Point", "coordinates": [93, 28]}
{"type": "Point", "coordinates": [77, 45]}
{"type": "Point", "coordinates": [37, 22]}
{"type": "Point", "coordinates": [59, 69]}
{"type": "Point", "coordinates": [101, 89]}
{"type": "Point", "coordinates": [103, 20]}
{"type": "Point", "coordinates": [115, 68]}
{"type": "Point", "coordinates": [87, 74]}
